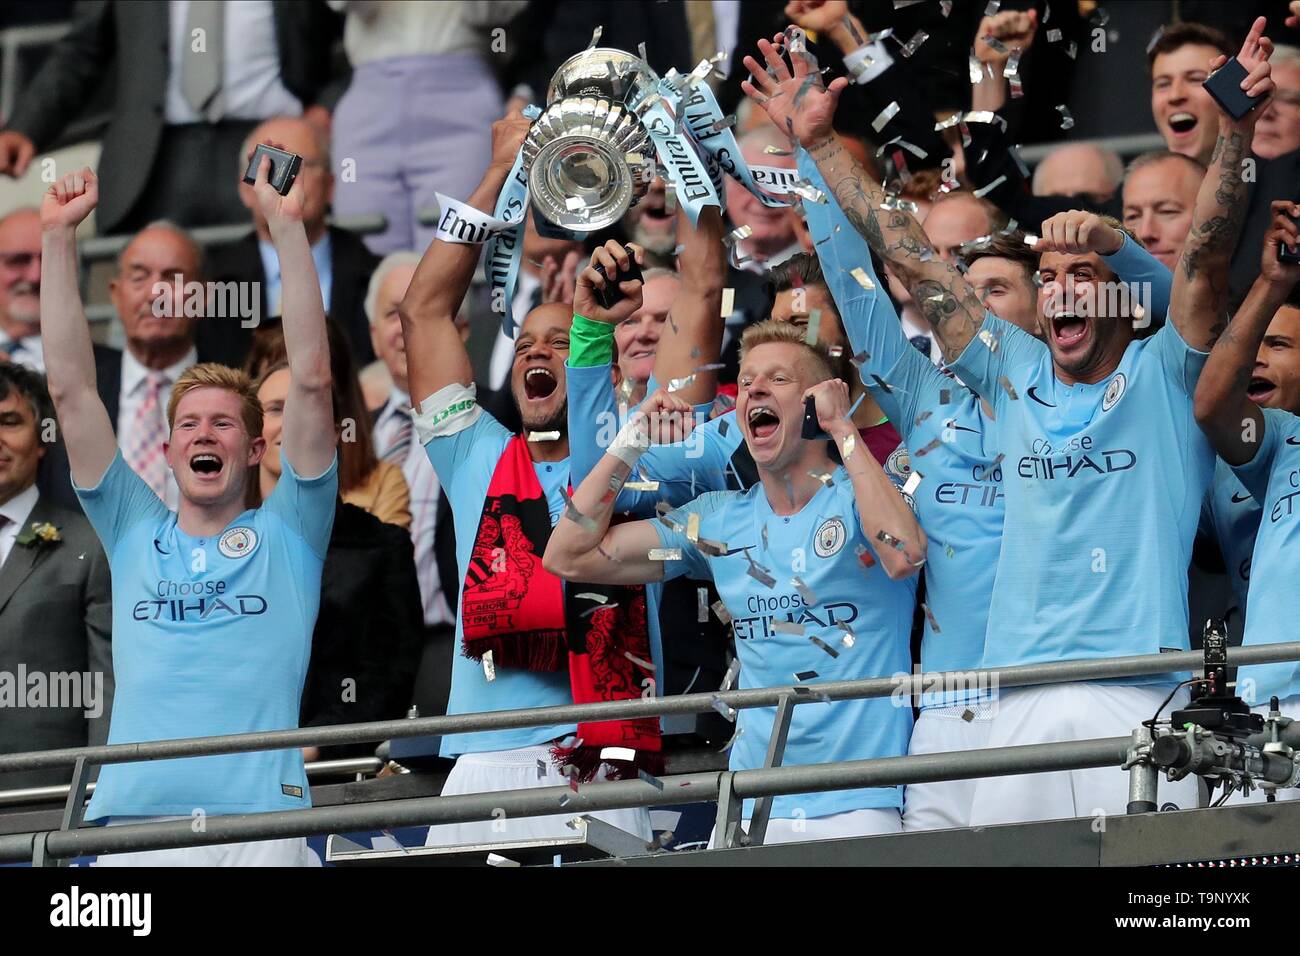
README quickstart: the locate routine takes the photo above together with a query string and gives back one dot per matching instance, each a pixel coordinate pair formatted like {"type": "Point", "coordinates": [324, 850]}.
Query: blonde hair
{"type": "Point", "coordinates": [770, 332]}
{"type": "Point", "coordinates": [214, 375]}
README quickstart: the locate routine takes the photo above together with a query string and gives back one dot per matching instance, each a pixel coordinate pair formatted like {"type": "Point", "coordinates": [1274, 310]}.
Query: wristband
{"type": "Point", "coordinates": [447, 411]}
{"type": "Point", "coordinates": [631, 442]}
{"type": "Point", "coordinates": [591, 343]}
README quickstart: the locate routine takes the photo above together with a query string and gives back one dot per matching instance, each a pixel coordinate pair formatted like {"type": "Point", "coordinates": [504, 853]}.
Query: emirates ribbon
{"type": "Point", "coordinates": [505, 249]}
{"type": "Point", "coordinates": [704, 117]}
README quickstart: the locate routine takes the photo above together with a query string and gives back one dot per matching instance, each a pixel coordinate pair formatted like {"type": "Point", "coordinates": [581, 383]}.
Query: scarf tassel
{"type": "Point", "coordinates": [545, 652]}
{"type": "Point", "coordinates": [586, 763]}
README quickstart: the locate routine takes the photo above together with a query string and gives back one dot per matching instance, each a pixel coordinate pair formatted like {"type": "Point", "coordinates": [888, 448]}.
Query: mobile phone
{"type": "Point", "coordinates": [611, 293]}
{"type": "Point", "coordinates": [812, 429]}
{"type": "Point", "coordinates": [284, 168]}
{"type": "Point", "coordinates": [1224, 85]}
{"type": "Point", "coordinates": [1290, 254]}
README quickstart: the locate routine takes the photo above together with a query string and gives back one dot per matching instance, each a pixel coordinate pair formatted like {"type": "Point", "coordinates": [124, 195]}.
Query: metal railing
{"type": "Point", "coordinates": [729, 788]}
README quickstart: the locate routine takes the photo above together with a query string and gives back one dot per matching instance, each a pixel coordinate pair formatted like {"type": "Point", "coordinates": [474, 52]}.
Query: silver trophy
{"type": "Point", "coordinates": [589, 159]}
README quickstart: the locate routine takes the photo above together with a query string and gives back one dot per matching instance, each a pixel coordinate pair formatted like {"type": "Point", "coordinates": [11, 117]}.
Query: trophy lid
{"type": "Point", "coordinates": [600, 71]}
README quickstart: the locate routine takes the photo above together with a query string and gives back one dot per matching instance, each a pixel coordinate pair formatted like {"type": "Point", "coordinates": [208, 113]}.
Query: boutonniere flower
{"type": "Point", "coordinates": [40, 533]}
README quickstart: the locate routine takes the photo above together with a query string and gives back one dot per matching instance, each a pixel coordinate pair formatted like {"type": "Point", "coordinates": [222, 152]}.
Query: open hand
{"type": "Point", "coordinates": [797, 102]}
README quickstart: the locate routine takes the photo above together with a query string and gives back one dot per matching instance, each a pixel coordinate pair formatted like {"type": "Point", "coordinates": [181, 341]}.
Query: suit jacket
{"type": "Point", "coordinates": [136, 36]}
{"type": "Point", "coordinates": [370, 627]}
{"type": "Point", "coordinates": [227, 341]}
{"type": "Point", "coordinates": [1275, 179]}
{"type": "Point", "coordinates": [56, 616]}
{"type": "Point", "coordinates": [54, 476]}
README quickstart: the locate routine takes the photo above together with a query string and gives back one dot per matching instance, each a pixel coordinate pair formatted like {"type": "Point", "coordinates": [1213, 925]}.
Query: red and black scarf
{"type": "Point", "coordinates": [528, 619]}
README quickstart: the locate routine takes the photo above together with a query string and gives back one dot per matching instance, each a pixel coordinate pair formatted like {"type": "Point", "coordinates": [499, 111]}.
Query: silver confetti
{"type": "Point", "coordinates": [664, 554]}
{"type": "Point", "coordinates": [1012, 73]}
{"type": "Point", "coordinates": [677, 384]}
{"type": "Point", "coordinates": [884, 537]}
{"type": "Point", "coordinates": [1067, 121]}
{"type": "Point", "coordinates": [645, 665]}
{"type": "Point", "coordinates": [805, 675]}
{"type": "Point", "coordinates": [885, 115]}
{"type": "Point", "coordinates": [787, 627]}
{"type": "Point", "coordinates": [976, 69]}
{"type": "Point", "coordinates": [989, 339]}
{"type": "Point", "coordinates": [805, 592]}
{"type": "Point", "coordinates": [577, 517]}
{"type": "Point", "coordinates": [702, 605]}
{"type": "Point", "coordinates": [1071, 49]}
{"type": "Point", "coordinates": [864, 280]}
{"type": "Point", "coordinates": [543, 436]}
{"type": "Point", "coordinates": [489, 668]}
{"type": "Point", "coordinates": [992, 9]}
{"type": "Point", "coordinates": [1006, 384]}
{"type": "Point", "coordinates": [849, 637]}
{"type": "Point", "coordinates": [929, 616]}
{"type": "Point", "coordinates": [759, 574]}
{"type": "Point", "coordinates": [985, 190]}
{"type": "Point", "coordinates": [823, 477]}
{"type": "Point", "coordinates": [912, 483]}
{"type": "Point", "coordinates": [720, 610]}
{"type": "Point", "coordinates": [1054, 35]}
{"type": "Point", "coordinates": [823, 645]}
{"type": "Point", "coordinates": [646, 485]}
{"type": "Point", "coordinates": [721, 707]}
{"type": "Point", "coordinates": [591, 596]}
{"type": "Point", "coordinates": [914, 44]}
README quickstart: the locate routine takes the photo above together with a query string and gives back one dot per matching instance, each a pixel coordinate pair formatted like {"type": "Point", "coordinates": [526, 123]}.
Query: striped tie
{"type": "Point", "coordinates": [148, 432]}
{"type": "Point", "coordinates": [401, 443]}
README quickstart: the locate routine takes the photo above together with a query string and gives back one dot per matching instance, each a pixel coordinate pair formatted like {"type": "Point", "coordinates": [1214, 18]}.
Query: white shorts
{"type": "Point", "coordinates": [518, 770]}
{"type": "Point", "coordinates": [868, 821]}
{"type": "Point", "coordinates": [941, 806]}
{"type": "Point", "coordinates": [289, 852]}
{"type": "Point", "coordinates": [1290, 707]}
{"type": "Point", "coordinates": [1079, 711]}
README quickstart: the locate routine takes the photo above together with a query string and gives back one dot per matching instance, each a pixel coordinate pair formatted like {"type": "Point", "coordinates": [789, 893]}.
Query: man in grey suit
{"type": "Point", "coordinates": [56, 672]}
{"type": "Point", "coordinates": [193, 77]}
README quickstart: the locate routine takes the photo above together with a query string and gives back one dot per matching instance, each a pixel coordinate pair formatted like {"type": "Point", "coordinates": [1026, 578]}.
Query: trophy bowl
{"type": "Point", "coordinates": [589, 159]}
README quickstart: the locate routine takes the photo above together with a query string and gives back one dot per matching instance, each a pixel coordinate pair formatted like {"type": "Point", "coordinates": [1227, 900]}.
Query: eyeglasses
{"type": "Point", "coordinates": [18, 260]}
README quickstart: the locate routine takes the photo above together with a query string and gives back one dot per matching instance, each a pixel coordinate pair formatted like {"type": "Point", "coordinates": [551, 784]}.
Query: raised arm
{"type": "Point", "coordinates": [69, 357]}
{"type": "Point", "coordinates": [1231, 421]}
{"type": "Point", "coordinates": [583, 547]}
{"type": "Point", "coordinates": [693, 333]}
{"type": "Point", "coordinates": [801, 105]}
{"type": "Point", "coordinates": [882, 512]}
{"type": "Point", "coordinates": [1199, 302]}
{"type": "Point", "coordinates": [309, 436]}
{"type": "Point", "coordinates": [437, 356]}
{"type": "Point", "coordinates": [1011, 30]}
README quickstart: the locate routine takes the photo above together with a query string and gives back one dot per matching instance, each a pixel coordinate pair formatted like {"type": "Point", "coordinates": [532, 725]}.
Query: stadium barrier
{"type": "Point", "coordinates": [728, 788]}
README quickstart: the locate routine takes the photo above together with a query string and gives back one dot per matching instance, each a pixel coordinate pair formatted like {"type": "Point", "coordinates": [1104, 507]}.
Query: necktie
{"type": "Point", "coordinates": [703, 32]}
{"type": "Point", "coordinates": [922, 343]}
{"type": "Point", "coordinates": [201, 65]}
{"type": "Point", "coordinates": [145, 451]}
{"type": "Point", "coordinates": [401, 442]}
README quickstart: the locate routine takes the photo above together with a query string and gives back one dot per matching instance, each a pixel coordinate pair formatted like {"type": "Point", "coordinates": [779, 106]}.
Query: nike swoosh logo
{"type": "Point", "coordinates": [1293, 441]}
{"type": "Point", "coordinates": [158, 547]}
{"type": "Point", "coordinates": [1037, 399]}
{"type": "Point", "coordinates": [1237, 501]}
{"type": "Point", "coordinates": [950, 423]}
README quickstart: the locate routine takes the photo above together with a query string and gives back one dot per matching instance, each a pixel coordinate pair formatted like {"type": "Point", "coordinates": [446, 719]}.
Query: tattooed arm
{"type": "Point", "coordinates": [1231, 421]}
{"type": "Point", "coordinates": [1198, 305]}
{"type": "Point", "coordinates": [799, 104]}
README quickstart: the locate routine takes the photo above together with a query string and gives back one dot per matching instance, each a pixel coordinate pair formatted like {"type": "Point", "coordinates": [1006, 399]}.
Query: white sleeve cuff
{"type": "Point", "coordinates": [447, 411]}
{"type": "Point", "coordinates": [868, 62]}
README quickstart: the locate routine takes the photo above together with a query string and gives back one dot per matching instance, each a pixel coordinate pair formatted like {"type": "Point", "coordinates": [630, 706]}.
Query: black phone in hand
{"type": "Point", "coordinates": [1224, 86]}
{"type": "Point", "coordinates": [284, 168]}
{"type": "Point", "coordinates": [611, 293]}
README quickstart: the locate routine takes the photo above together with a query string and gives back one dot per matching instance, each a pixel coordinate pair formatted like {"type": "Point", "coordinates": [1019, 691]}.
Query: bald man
{"type": "Point", "coordinates": [1159, 194]}
{"type": "Point", "coordinates": [20, 288]}
{"type": "Point", "coordinates": [343, 263]}
{"type": "Point", "coordinates": [1079, 169]}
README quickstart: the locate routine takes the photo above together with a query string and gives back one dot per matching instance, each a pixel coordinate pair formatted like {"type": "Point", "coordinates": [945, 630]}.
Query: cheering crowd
{"type": "Point", "coordinates": [894, 386]}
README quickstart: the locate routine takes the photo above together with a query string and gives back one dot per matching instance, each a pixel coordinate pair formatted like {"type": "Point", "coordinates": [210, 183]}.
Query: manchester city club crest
{"type": "Point", "coordinates": [899, 462]}
{"type": "Point", "coordinates": [1114, 392]}
{"type": "Point", "coordinates": [830, 538]}
{"type": "Point", "coordinates": [237, 542]}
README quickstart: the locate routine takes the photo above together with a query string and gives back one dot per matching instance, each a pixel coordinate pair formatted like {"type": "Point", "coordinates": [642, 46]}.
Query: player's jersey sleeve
{"type": "Point", "coordinates": [119, 501]}
{"type": "Point", "coordinates": [686, 470]}
{"type": "Point", "coordinates": [1254, 474]}
{"type": "Point", "coordinates": [999, 350]}
{"type": "Point", "coordinates": [672, 534]}
{"type": "Point", "coordinates": [306, 505]}
{"type": "Point", "coordinates": [1182, 364]}
{"type": "Point", "coordinates": [867, 315]}
{"type": "Point", "coordinates": [911, 385]}
{"type": "Point", "coordinates": [462, 459]}
{"type": "Point", "coordinates": [1135, 266]}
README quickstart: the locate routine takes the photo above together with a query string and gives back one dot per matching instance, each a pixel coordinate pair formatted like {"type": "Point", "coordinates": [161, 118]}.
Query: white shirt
{"type": "Point", "coordinates": [386, 29]}
{"type": "Point", "coordinates": [27, 351]}
{"type": "Point", "coordinates": [726, 26]}
{"type": "Point", "coordinates": [132, 395]}
{"type": "Point", "coordinates": [251, 88]}
{"type": "Point", "coordinates": [16, 509]}
{"type": "Point", "coordinates": [423, 484]}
